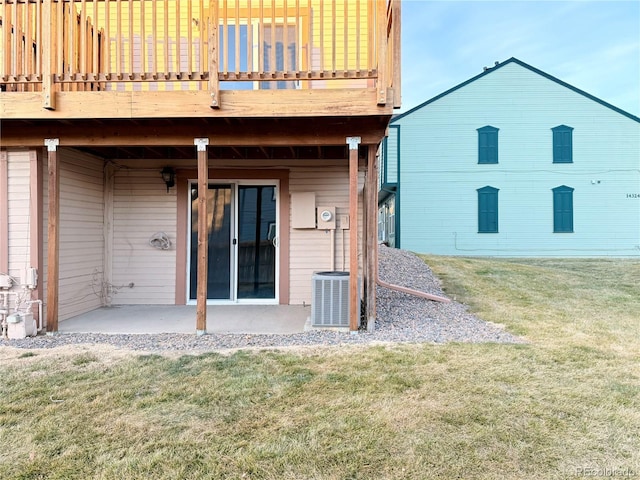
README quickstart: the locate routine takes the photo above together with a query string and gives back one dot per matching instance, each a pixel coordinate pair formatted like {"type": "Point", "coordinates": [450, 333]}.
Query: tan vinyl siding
{"type": "Point", "coordinates": [142, 207]}
{"type": "Point", "coordinates": [45, 243]}
{"type": "Point", "coordinates": [19, 193]}
{"type": "Point", "coordinates": [310, 249]}
{"type": "Point", "coordinates": [81, 233]}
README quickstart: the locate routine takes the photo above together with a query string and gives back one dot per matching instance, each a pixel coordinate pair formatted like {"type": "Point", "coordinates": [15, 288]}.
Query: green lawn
{"type": "Point", "coordinates": [564, 405]}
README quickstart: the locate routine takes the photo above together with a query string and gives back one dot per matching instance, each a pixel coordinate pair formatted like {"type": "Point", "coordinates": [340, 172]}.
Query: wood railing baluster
{"type": "Point", "coordinates": [48, 96]}
{"type": "Point", "coordinates": [214, 83]}
{"type": "Point", "coordinates": [332, 39]}
{"type": "Point", "coordinates": [165, 40]}
{"type": "Point", "coordinates": [202, 53]}
{"type": "Point", "coordinates": [381, 45]}
{"type": "Point", "coordinates": [143, 41]}
{"type": "Point", "coordinates": [131, 42]}
{"type": "Point", "coordinates": [95, 58]}
{"type": "Point", "coordinates": [345, 37]}
{"type": "Point", "coordinates": [237, 39]}
{"type": "Point", "coordinates": [249, 39]}
{"type": "Point", "coordinates": [190, 38]}
{"type": "Point", "coordinates": [12, 47]}
{"type": "Point", "coordinates": [178, 40]}
{"type": "Point", "coordinates": [154, 40]}
{"type": "Point", "coordinates": [272, 52]}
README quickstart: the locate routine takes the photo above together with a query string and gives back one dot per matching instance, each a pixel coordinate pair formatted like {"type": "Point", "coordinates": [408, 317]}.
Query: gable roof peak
{"type": "Point", "coordinates": [499, 65]}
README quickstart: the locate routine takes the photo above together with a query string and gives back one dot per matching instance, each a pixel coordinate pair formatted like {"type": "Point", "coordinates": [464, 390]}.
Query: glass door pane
{"type": "Point", "coordinates": [256, 236]}
{"type": "Point", "coordinates": [219, 237]}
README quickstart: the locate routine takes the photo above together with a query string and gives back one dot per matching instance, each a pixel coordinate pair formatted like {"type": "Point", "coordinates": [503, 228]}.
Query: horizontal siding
{"type": "Point", "coordinates": [19, 194]}
{"type": "Point", "coordinates": [81, 233]}
{"type": "Point", "coordinates": [142, 207]}
{"type": "Point", "coordinates": [440, 172]}
{"type": "Point", "coordinates": [310, 249]}
{"type": "Point", "coordinates": [391, 159]}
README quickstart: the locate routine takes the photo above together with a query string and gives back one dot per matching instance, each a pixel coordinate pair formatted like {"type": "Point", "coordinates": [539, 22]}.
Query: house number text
{"type": "Point", "coordinates": [633, 195]}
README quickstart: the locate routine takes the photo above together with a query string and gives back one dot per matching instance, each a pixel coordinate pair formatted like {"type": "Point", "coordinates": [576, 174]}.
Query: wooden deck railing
{"type": "Point", "coordinates": [50, 45]}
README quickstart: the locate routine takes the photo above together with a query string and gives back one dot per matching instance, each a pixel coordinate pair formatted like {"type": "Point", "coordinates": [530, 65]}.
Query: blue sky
{"type": "Point", "coordinates": [593, 45]}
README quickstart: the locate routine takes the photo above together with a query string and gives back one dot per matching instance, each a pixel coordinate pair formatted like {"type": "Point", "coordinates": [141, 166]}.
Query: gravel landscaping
{"type": "Point", "coordinates": [401, 318]}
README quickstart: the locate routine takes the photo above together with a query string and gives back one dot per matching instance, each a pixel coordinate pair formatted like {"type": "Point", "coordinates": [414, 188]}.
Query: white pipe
{"type": "Point", "coordinates": [343, 252]}
{"type": "Point", "coordinates": [333, 249]}
{"type": "Point", "coordinates": [4, 312]}
{"type": "Point", "coordinates": [39, 302]}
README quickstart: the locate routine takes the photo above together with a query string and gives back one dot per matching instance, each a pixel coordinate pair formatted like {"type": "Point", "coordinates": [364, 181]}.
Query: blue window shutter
{"type": "Point", "coordinates": [563, 209]}
{"type": "Point", "coordinates": [487, 145]}
{"type": "Point", "coordinates": [488, 210]}
{"type": "Point", "coordinates": [562, 144]}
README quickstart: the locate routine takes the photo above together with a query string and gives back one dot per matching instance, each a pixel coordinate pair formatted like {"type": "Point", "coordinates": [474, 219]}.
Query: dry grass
{"type": "Point", "coordinates": [563, 406]}
{"type": "Point", "coordinates": [582, 302]}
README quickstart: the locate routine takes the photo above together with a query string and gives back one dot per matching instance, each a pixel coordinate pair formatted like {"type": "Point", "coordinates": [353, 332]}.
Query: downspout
{"type": "Point", "coordinates": [410, 291]}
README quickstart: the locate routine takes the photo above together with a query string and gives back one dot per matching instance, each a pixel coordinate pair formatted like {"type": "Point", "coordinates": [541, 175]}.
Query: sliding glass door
{"type": "Point", "coordinates": [220, 242]}
{"type": "Point", "coordinates": [256, 241]}
{"type": "Point", "coordinates": [242, 237]}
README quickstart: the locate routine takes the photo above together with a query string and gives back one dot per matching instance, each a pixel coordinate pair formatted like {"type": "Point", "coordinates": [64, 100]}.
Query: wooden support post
{"type": "Point", "coordinates": [354, 306]}
{"type": "Point", "coordinates": [48, 55]}
{"type": "Point", "coordinates": [371, 242]}
{"type": "Point", "coordinates": [397, 55]}
{"type": "Point", "coordinates": [381, 24]}
{"type": "Point", "coordinates": [107, 229]}
{"type": "Point", "coordinates": [203, 240]}
{"type": "Point", "coordinates": [4, 212]}
{"type": "Point", "coordinates": [53, 235]}
{"type": "Point", "coordinates": [35, 222]}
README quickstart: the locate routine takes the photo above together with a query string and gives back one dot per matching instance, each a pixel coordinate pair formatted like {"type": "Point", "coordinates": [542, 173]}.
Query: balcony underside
{"type": "Point", "coordinates": [231, 138]}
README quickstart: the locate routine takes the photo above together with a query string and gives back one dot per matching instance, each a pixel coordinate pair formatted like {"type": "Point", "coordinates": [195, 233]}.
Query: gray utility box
{"type": "Point", "coordinates": [330, 304]}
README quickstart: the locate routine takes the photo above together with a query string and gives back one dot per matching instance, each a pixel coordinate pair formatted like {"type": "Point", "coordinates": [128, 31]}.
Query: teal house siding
{"type": "Point", "coordinates": [388, 195]}
{"type": "Point", "coordinates": [440, 176]}
{"type": "Point", "coordinates": [390, 170]}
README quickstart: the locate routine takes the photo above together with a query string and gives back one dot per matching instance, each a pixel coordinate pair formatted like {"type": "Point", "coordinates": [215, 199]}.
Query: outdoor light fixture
{"type": "Point", "coordinates": [169, 177]}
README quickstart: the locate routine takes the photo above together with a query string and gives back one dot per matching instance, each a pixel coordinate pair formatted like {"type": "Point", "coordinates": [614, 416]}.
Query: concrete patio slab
{"type": "Point", "coordinates": [141, 319]}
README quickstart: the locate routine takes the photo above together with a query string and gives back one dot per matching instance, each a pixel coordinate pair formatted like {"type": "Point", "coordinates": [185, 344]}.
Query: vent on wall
{"type": "Point", "coordinates": [330, 307]}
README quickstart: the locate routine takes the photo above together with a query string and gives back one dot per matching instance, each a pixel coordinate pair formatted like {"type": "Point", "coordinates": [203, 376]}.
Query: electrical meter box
{"type": "Point", "coordinates": [326, 218]}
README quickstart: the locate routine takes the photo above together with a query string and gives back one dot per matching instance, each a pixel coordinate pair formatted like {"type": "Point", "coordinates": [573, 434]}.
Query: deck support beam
{"type": "Point", "coordinates": [203, 238]}
{"type": "Point", "coordinates": [35, 223]}
{"type": "Point", "coordinates": [53, 235]}
{"type": "Point", "coordinates": [4, 212]}
{"type": "Point", "coordinates": [354, 307]}
{"type": "Point", "coordinates": [371, 236]}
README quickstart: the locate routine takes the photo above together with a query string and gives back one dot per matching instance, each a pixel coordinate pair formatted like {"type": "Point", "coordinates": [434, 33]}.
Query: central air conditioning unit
{"type": "Point", "coordinates": [330, 304]}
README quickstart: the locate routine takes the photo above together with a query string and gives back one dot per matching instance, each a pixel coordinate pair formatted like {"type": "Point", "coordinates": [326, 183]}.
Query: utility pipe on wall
{"type": "Point", "coordinates": [333, 249]}
{"type": "Point", "coordinates": [39, 302]}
